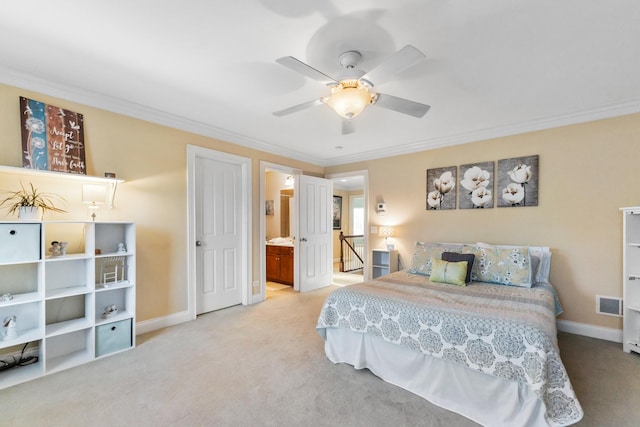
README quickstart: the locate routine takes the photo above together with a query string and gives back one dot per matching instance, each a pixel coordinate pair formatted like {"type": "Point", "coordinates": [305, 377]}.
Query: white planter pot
{"type": "Point", "coordinates": [29, 213]}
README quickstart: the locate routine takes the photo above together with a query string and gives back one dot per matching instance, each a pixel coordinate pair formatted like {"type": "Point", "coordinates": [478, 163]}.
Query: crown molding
{"type": "Point", "coordinates": [138, 111]}
{"type": "Point", "coordinates": [606, 112]}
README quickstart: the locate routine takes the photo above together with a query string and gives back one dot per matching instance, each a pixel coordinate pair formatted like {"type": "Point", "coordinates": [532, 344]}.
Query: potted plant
{"type": "Point", "coordinates": [30, 203]}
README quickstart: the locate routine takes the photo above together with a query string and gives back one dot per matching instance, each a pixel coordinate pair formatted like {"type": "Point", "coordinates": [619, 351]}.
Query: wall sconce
{"type": "Point", "coordinates": [386, 232]}
{"type": "Point", "coordinates": [94, 195]}
{"type": "Point", "coordinates": [288, 182]}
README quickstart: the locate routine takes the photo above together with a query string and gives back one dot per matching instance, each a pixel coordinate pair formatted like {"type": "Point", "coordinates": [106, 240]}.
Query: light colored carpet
{"type": "Point", "coordinates": [264, 365]}
{"type": "Point", "coordinates": [346, 279]}
{"type": "Point", "coordinates": [273, 286]}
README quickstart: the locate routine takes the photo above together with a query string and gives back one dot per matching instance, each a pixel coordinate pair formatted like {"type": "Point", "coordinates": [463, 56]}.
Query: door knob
{"type": "Point", "coordinates": [198, 243]}
{"type": "Point", "coordinates": [304, 239]}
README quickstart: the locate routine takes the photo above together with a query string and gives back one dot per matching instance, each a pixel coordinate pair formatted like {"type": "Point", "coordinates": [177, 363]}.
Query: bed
{"type": "Point", "coordinates": [484, 349]}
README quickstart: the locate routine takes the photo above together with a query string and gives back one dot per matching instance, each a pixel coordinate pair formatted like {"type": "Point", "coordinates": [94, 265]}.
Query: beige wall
{"type": "Point", "coordinates": [152, 160]}
{"type": "Point", "coordinates": [587, 172]}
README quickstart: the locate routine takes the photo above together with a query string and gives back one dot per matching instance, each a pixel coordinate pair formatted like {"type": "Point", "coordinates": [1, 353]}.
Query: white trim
{"type": "Point", "coordinates": [162, 322]}
{"type": "Point", "coordinates": [264, 167]}
{"type": "Point", "coordinates": [245, 164]}
{"type": "Point", "coordinates": [109, 103]}
{"type": "Point", "coordinates": [599, 332]}
{"type": "Point", "coordinates": [365, 191]}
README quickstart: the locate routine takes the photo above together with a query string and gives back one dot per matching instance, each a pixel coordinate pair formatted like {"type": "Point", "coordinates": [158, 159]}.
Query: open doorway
{"type": "Point", "coordinates": [349, 234]}
{"type": "Point", "coordinates": [280, 220]}
{"type": "Point", "coordinates": [278, 229]}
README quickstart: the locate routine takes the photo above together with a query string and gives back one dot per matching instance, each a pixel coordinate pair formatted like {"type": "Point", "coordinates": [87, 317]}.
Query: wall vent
{"type": "Point", "coordinates": [611, 306]}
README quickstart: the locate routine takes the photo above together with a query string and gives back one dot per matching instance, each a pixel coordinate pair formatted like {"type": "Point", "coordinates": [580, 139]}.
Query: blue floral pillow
{"type": "Point", "coordinates": [504, 265]}
{"type": "Point", "coordinates": [423, 252]}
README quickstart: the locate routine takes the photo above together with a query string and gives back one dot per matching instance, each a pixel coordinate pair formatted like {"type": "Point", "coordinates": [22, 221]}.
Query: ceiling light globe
{"type": "Point", "coordinates": [348, 102]}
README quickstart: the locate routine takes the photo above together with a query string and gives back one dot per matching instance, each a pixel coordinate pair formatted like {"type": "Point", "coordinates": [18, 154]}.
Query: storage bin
{"type": "Point", "coordinates": [19, 242]}
{"type": "Point", "coordinates": [112, 337]}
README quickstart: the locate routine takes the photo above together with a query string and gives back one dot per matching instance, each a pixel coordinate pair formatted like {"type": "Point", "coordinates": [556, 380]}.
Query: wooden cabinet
{"type": "Point", "coordinates": [280, 264]}
{"type": "Point", "coordinates": [631, 279]}
{"type": "Point", "coordinates": [384, 262]}
{"type": "Point", "coordinates": [67, 303]}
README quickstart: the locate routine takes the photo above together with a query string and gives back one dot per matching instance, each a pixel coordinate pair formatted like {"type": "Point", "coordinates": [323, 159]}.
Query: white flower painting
{"type": "Point", "coordinates": [441, 188]}
{"type": "Point", "coordinates": [476, 186]}
{"type": "Point", "coordinates": [518, 182]}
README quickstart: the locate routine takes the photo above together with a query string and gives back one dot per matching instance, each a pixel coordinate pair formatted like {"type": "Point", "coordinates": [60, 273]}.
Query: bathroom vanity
{"type": "Point", "coordinates": [280, 264]}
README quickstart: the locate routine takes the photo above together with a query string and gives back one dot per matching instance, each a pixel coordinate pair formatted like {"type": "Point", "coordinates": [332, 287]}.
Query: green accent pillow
{"type": "Point", "coordinates": [453, 273]}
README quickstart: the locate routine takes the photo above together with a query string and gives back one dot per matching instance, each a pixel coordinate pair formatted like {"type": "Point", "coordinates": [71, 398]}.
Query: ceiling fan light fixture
{"type": "Point", "coordinates": [349, 98]}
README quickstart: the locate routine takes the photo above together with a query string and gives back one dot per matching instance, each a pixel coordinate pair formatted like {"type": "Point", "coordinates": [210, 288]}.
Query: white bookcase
{"type": "Point", "coordinates": [631, 279]}
{"type": "Point", "coordinates": [59, 300]}
{"type": "Point", "coordinates": [383, 262]}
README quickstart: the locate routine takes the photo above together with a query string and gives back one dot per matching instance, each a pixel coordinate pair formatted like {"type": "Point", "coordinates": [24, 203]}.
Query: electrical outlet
{"type": "Point", "coordinates": [256, 286]}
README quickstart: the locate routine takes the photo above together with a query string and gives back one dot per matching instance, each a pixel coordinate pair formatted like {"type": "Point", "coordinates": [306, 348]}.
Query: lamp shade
{"type": "Point", "coordinates": [385, 231]}
{"type": "Point", "coordinates": [94, 194]}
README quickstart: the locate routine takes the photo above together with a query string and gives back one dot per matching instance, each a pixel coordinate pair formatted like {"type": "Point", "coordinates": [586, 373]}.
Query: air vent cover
{"type": "Point", "coordinates": [611, 306]}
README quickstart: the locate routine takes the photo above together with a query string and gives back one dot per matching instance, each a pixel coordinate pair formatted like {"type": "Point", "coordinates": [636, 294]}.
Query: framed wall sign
{"type": "Point", "coordinates": [52, 138]}
{"type": "Point", "coordinates": [337, 212]}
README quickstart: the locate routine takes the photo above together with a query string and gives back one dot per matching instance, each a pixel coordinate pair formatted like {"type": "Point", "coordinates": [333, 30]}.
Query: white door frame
{"type": "Point", "coordinates": [245, 165]}
{"type": "Point", "coordinates": [264, 167]}
{"type": "Point", "coordinates": [364, 173]}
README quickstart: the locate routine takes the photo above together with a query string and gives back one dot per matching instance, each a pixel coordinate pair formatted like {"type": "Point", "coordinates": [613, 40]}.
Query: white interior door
{"type": "Point", "coordinates": [315, 233]}
{"type": "Point", "coordinates": [219, 234]}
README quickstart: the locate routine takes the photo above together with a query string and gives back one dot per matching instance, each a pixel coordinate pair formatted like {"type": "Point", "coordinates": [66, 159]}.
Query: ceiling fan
{"type": "Point", "coordinates": [352, 89]}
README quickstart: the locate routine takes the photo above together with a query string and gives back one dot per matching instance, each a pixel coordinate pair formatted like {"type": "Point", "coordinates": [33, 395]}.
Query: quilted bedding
{"type": "Point", "coordinates": [504, 331]}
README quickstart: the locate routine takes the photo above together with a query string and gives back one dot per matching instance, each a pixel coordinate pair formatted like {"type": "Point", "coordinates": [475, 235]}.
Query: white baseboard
{"type": "Point", "coordinates": [162, 322]}
{"type": "Point", "coordinates": [599, 332]}
{"type": "Point", "coordinates": [608, 334]}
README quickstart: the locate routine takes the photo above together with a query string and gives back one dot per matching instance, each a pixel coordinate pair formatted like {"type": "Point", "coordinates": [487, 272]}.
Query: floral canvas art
{"type": "Point", "coordinates": [518, 182]}
{"type": "Point", "coordinates": [476, 186]}
{"type": "Point", "coordinates": [441, 188]}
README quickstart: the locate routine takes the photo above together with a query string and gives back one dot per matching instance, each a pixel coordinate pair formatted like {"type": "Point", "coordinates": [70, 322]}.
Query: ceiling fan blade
{"type": "Point", "coordinates": [402, 105]}
{"type": "Point", "coordinates": [347, 126]}
{"type": "Point", "coordinates": [306, 70]}
{"type": "Point", "coordinates": [298, 107]}
{"type": "Point", "coordinates": [403, 59]}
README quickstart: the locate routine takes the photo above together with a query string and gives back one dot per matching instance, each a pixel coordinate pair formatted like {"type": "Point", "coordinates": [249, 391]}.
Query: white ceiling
{"type": "Point", "coordinates": [493, 68]}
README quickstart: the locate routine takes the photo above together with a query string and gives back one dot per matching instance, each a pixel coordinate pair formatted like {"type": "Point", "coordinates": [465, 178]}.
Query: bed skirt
{"type": "Point", "coordinates": [485, 399]}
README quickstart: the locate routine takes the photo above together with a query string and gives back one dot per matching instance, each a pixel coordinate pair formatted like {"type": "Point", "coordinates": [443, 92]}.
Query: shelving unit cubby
{"type": "Point", "coordinates": [61, 302]}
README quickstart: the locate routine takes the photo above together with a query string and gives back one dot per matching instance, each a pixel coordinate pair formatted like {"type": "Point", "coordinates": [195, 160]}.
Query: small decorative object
{"type": "Point", "coordinates": [10, 329]}
{"type": "Point", "coordinates": [112, 270]}
{"type": "Point", "coordinates": [55, 248]}
{"type": "Point", "coordinates": [337, 212]}
{"type": "Point", "coordinates": [6, 297]}
{"type": "Point", "coordinates": [121, 247]}
{"type": "Point", "coordinates": [109, 311]}
{"type": "Point", "coordinates": [63, 248]}
{"type": "Point", "coordinates": [98, 251]}
{"type": "Point", "coordinates": [109, 175]}
{"type": "Point", "coordinates": [28, 200]}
